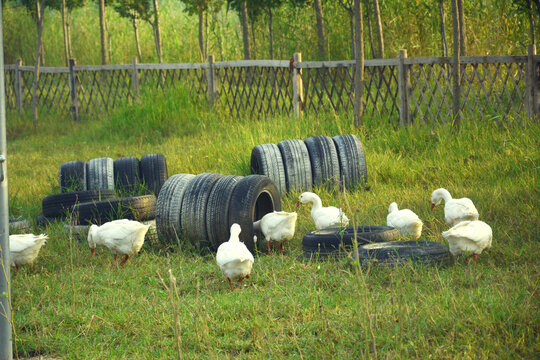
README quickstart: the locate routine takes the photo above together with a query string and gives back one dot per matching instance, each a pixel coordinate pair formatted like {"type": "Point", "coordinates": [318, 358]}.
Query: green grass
{"type": "Point", "coordinates": [71, 305]}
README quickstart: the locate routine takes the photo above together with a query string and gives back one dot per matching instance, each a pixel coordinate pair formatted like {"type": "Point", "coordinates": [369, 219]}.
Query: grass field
{"type": "Point", "coordinates": [74, 306]}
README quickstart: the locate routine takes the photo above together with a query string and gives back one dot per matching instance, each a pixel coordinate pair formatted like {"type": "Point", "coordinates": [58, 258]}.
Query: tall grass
{"type": "Point", "coordinates": [71, 305]}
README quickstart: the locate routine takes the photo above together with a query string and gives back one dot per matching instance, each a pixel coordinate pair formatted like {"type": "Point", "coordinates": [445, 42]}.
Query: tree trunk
{"type": "Point", "coordinates": [359, 68]}
{"type": "Point", "coordinates": [378, 26]}
{"type": "Point", "coordinates": [245, 30]}
{"type": "Point", "coordinates": [217, 33]}
{"type": "Point", "coordinates": [444, 44]}
{"type": "Point", "coordinates": [68, 28]}
{"type": "Point", "coordinates": [41, 11]}
{"type": "Point", "coordinates": [38, 22]}
{"type": "Point", "coordinates": [531, 21]}
{"type": "Point", "coordinates": [157, 34]}
{"type": "Point", "coordinates": [64, 30]}
{"type": "Point", "coordinates": [456, 64]}
{"type": "Point", "coordinates": [321, 37]}
{"type": "Point", "coordinates": [201, 35]}
{"type": "Point", "coordinates": [462, 30]}
{"type": "Point", "coordinates": [136, 33]}
{"type": "Point", "coordinates": [351, 23]}
{"type": "Point", "coordinates": [370, 38]}
{"type": "Point", "coordinates": [253, 39]}
{"type": "Point", "coordinates": [270, 33]}
{"type": "Point", "coordinates": [102, 32]}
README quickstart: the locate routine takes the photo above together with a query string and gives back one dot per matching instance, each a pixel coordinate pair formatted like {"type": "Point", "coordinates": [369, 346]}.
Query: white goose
{"type": "Point", "coordinates": [324, 217]}
{"type": "Point", "coordinates": [277, 226]}
{"type": "Point", "coordinates": [471, 236]}
{"type": "Point", "coordinates": [455, 210]}
{"type": "Point", "coordinates": [406, 221]}
{"type": "Point", "coordinates": [124, 237]}
{"type": "Point", "coordinates": [24, 248]}
{"type": "Point", "coordinates": [234, 258]}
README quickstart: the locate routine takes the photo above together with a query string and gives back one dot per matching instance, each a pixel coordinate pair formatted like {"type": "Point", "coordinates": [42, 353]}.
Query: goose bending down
{"type": "Point", "coordinates": [124, 237]}
{"type": "Point", "coordinates": [469, 237]}
{"type": "Point", "coordinates": [277, 226]}
{"type": "Point", "coordinates": [24, 248]}
{"type": "Point", "coordinates": [455, 210]}
{"type": "Point", "coordinates": [324, 217]}
{"type": "Point", "coordinates": [406, 221]}
{"type": "Point", "coordinates": [234, 258]}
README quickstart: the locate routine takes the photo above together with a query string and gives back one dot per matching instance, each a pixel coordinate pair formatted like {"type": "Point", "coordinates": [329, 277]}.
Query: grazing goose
{"type": "Point", "coordinates": [24, 248]}
{"type": "Point", "coordinates": [124, 237]}
{"type": "Point", "coordinates": [324, 217]}
{"type": "Point", "coordinates": [234, 258]}
{"type": "Point", "coordinates": [277, 226]}
{"type": "Point", "coordinates": [469, 237]}
{"type": "Point", "coordinates": [406, 221]}
{"type": "Point", "coordinates": [455, 210]}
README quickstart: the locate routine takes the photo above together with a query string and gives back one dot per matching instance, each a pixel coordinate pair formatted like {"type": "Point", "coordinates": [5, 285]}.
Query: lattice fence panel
{"type": "Point", "coordinates": [101, 91]}
{"type": "Point", "coordinates": [53, 91]}
{"type": "Point", "coordinates": [192, 79]}
{"type": "Point", "coordinates": [9, 85]}
{"type": "Point", "coordinates": [381, 98]}
{"type": "Point", "coordinates": [328, 89]}
{"type": "Point", "coordinates": [259, 91]}
{"type": "Point", "coordinates": [27, 79]}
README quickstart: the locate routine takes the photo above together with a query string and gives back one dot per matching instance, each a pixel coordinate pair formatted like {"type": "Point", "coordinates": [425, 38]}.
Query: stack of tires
{"type": "Point", "coordinates": [296, 165]}
{"type": "Point", "coordinates": [197, 211]}
{"type": "Point", "coordinates": [88, 190]}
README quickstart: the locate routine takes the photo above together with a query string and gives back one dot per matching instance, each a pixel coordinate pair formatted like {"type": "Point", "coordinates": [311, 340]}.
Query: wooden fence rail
{"type": "Point", "coordinates": [402, 90]}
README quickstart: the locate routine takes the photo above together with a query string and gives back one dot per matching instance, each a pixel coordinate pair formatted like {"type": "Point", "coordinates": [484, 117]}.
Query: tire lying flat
{"type": "Point", "coordinates": [253, 197]}
{"type": "Point", "coordinates": [140, 208]}
{"type": "Point", "coordinates": [62, 204]}
{"type": "Point", "coordinates": [404, 252]}
{"type": "Point", "coordinates": [297, 165]}
{"type": "Point", "coordinates": [266, 160]}
{"type": "Point", "coordinates": [352, 161]}
{"type": "Point", "coordinates": [335, 241]}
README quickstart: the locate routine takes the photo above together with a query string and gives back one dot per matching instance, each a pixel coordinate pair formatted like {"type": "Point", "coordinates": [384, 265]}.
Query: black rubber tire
{"type": "Point", "coordinates": [266, 160]}
{"type": "Point", "coordinates": [140, 208]}
{"type": "Point", "coordinates": [127, 174]}
{"type": "Point", "coordinates": [18, 225]}
{"type": "Point", "coordinates": [253, 197]}
{"type": "Point", "coordinates": [100, 174]}
{"type": "Point", "coordinates": [73, 176]}
{"type": "Point", "coordinates": [403, 252]}
{"type": "Point", "coordinates": [328, 241]}
{"type": "Point", "coordinates": [324, 161]}
{"type": "Point", "coordinates": [154, 172]}
{"type": "Point", "coordinates": [194, 203]}
{"type": "Point", "coordinates": [44, 221]}
{"type": "Point", "coordinates": [62, 204]}
{"type": "Point", "coordinates": [297, 165]}
{"type": "Point", "coordinates": [217, 210]}
{"type": "Point", "coordinates": [352, 161]}
{"type": "Point", "coordinates": [169, 206]}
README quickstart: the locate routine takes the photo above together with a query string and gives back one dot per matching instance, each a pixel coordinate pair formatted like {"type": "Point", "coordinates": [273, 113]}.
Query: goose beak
{"type": "Point", "coordinates": [432, 206]}
{"type": "Point", "coordinates": [93, 251]}
{"type": "Point", "coordinates": [297, 204]}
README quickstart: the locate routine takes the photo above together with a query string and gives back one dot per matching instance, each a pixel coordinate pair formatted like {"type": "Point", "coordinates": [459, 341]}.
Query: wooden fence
{"type": "Point", "coordinates": [404, 90]}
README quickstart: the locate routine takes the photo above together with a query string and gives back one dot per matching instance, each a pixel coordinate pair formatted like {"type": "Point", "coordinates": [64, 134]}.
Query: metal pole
{"type": "Point", "coordinates": [6, 351]}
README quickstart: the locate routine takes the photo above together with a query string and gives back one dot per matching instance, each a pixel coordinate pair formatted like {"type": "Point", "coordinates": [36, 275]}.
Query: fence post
{"type": "Point", "coordinates": [18, 85]}
{"type": "Point", "coordinates": [73, 91]}
{"type": "Point", "coordinates": [532, 82]}
{"type": "Point", "coordinates": [135, 80]}
{"type": "Point", "coordinates": [298, 88]}
{"type": "Point", "coordinates": [211, 80]}
{"type": "Point", "coordinates": [403, 89]}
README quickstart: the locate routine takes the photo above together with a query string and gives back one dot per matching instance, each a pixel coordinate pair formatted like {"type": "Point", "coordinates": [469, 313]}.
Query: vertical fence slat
{"type": "Point", "coordinates": [532, 99]}
{"type": "Point", "coordinates": [403, 89]}
{"type": "Point", "coordinates": [298, 88]}
{"type": "Point", "coordinates": [211, 80]}
{"type": "Point", "coordinates": [73, 91]}
{"type": "Point", "coordinates": [135, 80]}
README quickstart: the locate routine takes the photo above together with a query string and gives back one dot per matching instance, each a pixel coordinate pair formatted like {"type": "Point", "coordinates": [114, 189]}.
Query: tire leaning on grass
{"type": "Point", "coordinates": [253, 197]}
{"type": "Point", "coordinates": [62, 204]}
{"type": "Point", "coordinates": [297, 165]}
{"type": "Point", "coordinates": [100, 174]}
{"type": "Point", "coordinates": [352, 161]}
{"type": "Point", "coordinates": [127, 174]}
{"type": "Point", "coordinates": [169, 206]}
{"type": "Point", "coordinates": [73, 176]}
{"type": "Point", "coordinates": [402, 252]}
{"type": "Point", "coordinates": [266, 160]}
{"type": "Point", "coordinates": [217, 210]}
{"type": "Point", "coordinates": [194, 202]}
{"type": "Point", "coordinates": [154, 172]}
{"type": "Point", "coordinates": [329, 242]}
{"type": "Point", "coordinates": [324, 160]}
{"type": "Point", "coordinates": [140, 208]}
